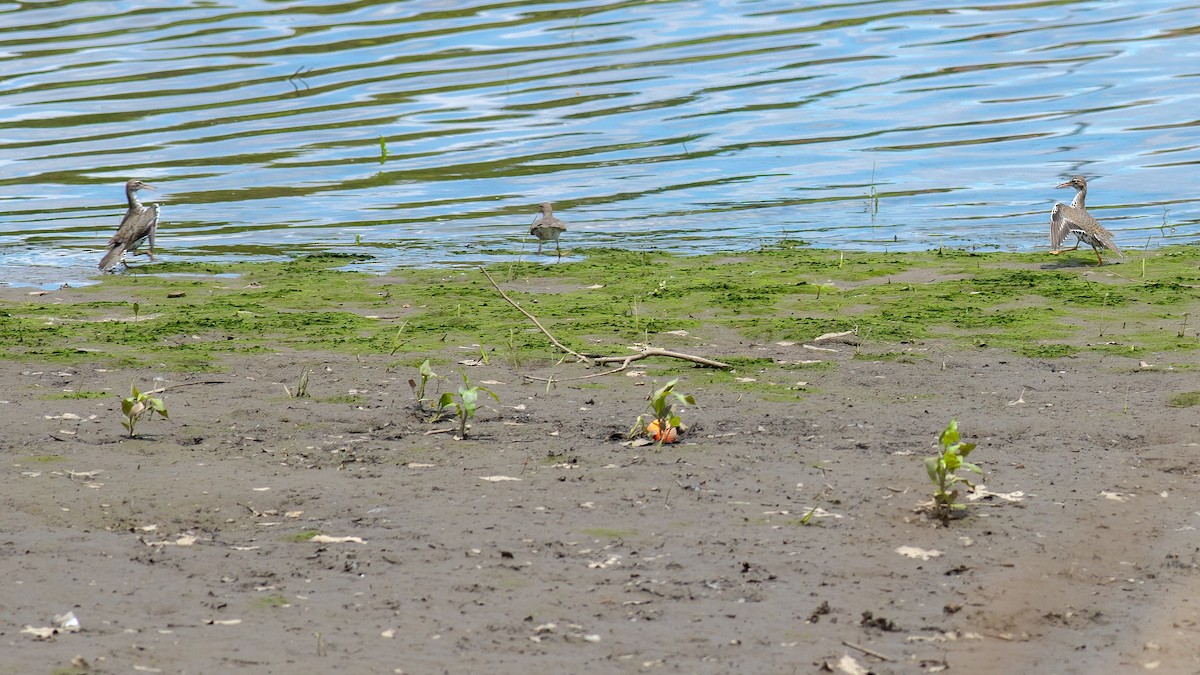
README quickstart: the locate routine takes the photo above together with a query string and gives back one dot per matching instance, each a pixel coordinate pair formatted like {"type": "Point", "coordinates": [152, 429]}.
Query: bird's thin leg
{"type": "Point", "coordinates": [1099, 262]}
{"type": "Point", "coordinates": [539, 247]}
{"type": "Point", "coordinates": [558, 249]}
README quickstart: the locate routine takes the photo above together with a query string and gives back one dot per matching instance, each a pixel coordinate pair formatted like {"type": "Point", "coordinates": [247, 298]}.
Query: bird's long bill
{"type": "Point", "coordinates": [147, 186]}
{"type": "Point", "coordinates": [1066, 184]}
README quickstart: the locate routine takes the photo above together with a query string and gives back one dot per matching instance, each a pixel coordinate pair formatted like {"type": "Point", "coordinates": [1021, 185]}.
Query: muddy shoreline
{"type": "Point", "coordinates": [254, 531]}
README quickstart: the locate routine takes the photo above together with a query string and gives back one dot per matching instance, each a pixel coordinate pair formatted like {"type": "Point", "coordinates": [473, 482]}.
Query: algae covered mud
{"type": "Point", "coordinates": [785, 532]}
{"type": "Point", "coordinates": [182, 316]}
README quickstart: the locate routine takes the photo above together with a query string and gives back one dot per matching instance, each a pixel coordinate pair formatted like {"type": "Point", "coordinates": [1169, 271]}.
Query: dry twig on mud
{"type": "Point", "coordinates": [594, 360]}
{"type": "Point", "coordinates": [182, 384]}
{"type": "Point", "coordinates": [869, 652]}
{"type": "Point", "coordinates": [533, 318]}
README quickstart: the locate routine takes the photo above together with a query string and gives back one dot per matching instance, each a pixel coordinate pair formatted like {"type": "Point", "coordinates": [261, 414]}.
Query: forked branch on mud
{"type": "Point", "coordinates": [533, 318]}
{"type": "Point", "coordinates": [594, 360]}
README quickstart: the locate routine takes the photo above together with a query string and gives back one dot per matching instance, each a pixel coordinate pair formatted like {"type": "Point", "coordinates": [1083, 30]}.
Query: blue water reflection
{"type": "Point", "coordinates": [693, 126]}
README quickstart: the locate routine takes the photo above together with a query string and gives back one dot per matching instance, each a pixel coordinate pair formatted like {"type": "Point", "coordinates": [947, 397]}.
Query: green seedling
{"type": "Point", "coordinates": [942, 468]}
{"type": "Point", "coordinates": [383, 153]}
{"type": "Point", "coordinates": [1103, 311]}
{"type": "Point", "coordinates": [301, 385]}
{"type": "Point", "coordinates": [828, 288]}
{"type": "Point", "coordinates": [663, 423]}
{"type": "Point", "coordinates": [397, 343]}
{"type": "Point", "coordinates": [427, 374]}
{"type": "Point", "coordinates": [467, 403]}
{"type": "Point", "coordinates": [808, 516]}
{"type": "Point", "coordinates": [514, 357]}
{"type": "Point", "coordinates": [138, 404]}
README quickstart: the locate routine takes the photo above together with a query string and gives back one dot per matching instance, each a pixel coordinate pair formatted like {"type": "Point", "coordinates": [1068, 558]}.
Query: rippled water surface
{"type": "Point", "coordinates": [693, 126]}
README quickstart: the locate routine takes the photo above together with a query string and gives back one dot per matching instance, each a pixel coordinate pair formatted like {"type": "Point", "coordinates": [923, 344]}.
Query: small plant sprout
{"type": "Point", "coordinates": [942, 468]}
{"type": "Point", "coordinates": [1103, 311]}
{"type": "Point", "coordinates": [807, 519]}
{"type": "Point", "coordinates": [467, 403]}
{"type": "Point", "coordinates": [138, 404]}
{"type": "Point", "coordinates": [301, 390]}
{"type": "Point", "coordinates": [427, 374]}
{"type": "Point", "coordinates": [828, 288]}
{"type": "Point", "coordinates": [383, 153]}
{"type": "Point", "coordinates": [513, 355]}
{"type": "Point", "coordinates": [663, 424]}
{"type": "Point", "coordinates": [397, 343]}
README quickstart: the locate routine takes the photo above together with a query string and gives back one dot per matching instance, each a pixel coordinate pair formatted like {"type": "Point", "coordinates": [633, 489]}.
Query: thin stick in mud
{"type": "Point", "coordinates": [593, 360]}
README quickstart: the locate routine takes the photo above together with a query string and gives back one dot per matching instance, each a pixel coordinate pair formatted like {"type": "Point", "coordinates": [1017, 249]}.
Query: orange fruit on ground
{"type": "Point", "coordinates": [657, 434]}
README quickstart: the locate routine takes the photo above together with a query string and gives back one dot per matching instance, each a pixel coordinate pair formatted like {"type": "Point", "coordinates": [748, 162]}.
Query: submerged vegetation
{"type": "Point", "coordinates": [189, 314]}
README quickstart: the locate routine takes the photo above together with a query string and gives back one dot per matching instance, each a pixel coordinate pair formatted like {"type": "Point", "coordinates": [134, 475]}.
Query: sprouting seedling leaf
{"type": "Point", "coordinates": [137, 404]}
{"type": "Point", "coordinates": [301, 384]}
{"type": "Point", "coordinates": [396, 342]}
{"type": "Point", "coordinates": [664, 422]}
{"type": "Point", "coordinates": [941, 469]}
{"type": "Point", "coordinates": [808, 516]}
{"type": "Point", "coordinates": [383, 153]}
{"type": "Point", "coordinates": [446, 400]}
{"type": "Point", "coordinates": [427, 374]}
{"type": "Point", "coordinates": [157, 405]}
{"type": "Point", "coordinates": [466, 405]}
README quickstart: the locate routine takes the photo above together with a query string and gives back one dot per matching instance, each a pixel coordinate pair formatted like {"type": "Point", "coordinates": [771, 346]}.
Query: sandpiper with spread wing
{"type": "Point", "coordinates": [1075, 219]}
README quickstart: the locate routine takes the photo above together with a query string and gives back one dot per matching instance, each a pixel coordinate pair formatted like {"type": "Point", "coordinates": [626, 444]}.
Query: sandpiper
{"type": "Point", "coordinates": [546, 227]}
{"type": "Point", "coordinates": [140, 223]}
{"type": "Point", "coordinates": [1075, 219]}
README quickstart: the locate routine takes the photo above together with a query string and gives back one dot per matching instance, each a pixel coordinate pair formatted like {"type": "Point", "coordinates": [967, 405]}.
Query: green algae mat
{"type": "Point", "coordinates": [183, 316]}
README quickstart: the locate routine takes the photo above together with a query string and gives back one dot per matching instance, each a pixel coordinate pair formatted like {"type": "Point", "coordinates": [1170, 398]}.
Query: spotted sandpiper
{"type": "Point", "coordinates": [547, 227]}
{"type": "Point", "coordinates": [1075, 219]}
{"type": "Point", "coordinates": [140, 223]}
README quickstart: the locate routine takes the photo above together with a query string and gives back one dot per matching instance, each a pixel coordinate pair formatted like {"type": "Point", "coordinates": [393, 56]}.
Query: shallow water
{"type": "Point", "coordinates": [693, 126]}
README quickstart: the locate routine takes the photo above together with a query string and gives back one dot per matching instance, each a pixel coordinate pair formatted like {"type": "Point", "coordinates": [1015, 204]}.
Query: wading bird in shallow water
{"type": "Point", "coordinates": [547, 227]}
{"type": "Point", "coordinates": [1075, 219]}
{"type": "Point", "coordinates": [140, 223]}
